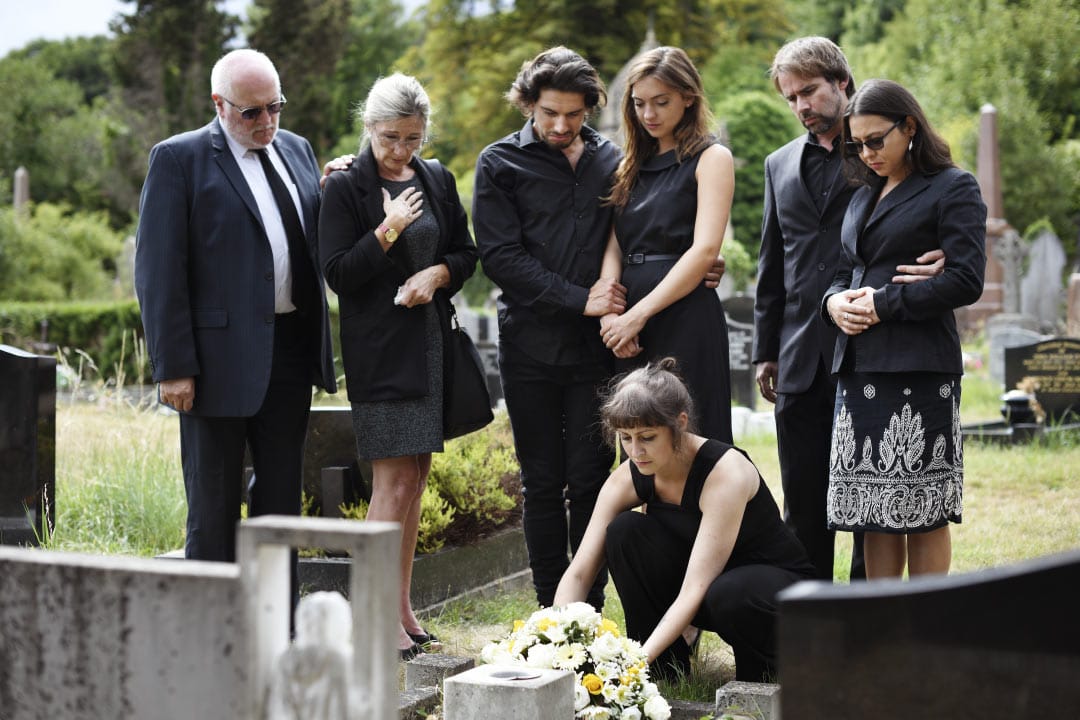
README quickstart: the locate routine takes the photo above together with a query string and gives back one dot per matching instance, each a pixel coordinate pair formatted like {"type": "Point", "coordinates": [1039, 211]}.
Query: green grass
{"type": "Point", "coordinates": [119, 491]}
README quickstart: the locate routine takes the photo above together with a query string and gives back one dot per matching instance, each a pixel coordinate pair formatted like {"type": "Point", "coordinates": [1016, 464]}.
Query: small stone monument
{"type": "Point", "coordinates": [740, 321]}
{"type": "Point", "coordinates": [22, 189]}
{"type": "Point", "coordinates": [310, 679]}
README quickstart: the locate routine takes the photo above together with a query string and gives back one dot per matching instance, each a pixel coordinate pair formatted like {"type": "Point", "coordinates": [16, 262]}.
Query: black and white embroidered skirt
{"type": "Point", "coordinates": [897, 459]}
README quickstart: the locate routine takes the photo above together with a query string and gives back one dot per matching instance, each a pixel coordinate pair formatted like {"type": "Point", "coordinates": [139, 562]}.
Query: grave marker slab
{"type": "Point", "coordinates": [1050, 370]}
{"type": "Point", "coordinates": [27, 445]}
{"type": "Point", "coordinates": [994, 644]}
{"type": "Point", "coordinates": [739, 310]}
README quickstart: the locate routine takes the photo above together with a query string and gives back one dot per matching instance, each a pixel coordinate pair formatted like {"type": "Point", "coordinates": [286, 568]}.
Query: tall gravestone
{"type": "Point", "coordinates": [27, 445]}
{"type": "Point", "coordinates": [1072, 315]}
{"type": "Point", "coordinates": [1041, 287]}
{"type": "Point", "coordinates": [740, 320]}
{"type": "Point", "coordinates": [989, 176]}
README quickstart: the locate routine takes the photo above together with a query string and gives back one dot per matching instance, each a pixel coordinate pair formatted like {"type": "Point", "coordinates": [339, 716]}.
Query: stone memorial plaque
{"type": "Point", "coordinates": [1051, 370]}
{"type": "Point", "coordinates": [27, 445]}
{"type": "Point", "coordinates": [739, 311]}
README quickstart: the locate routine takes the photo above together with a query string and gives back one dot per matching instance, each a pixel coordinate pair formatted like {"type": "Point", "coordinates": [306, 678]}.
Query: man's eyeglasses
{"type": "Point", "coordinates": [388, 140]}
{"type": "Point", "coordinates": [250, 113]}
{"type": "Point", "coordinates": [875, 144]}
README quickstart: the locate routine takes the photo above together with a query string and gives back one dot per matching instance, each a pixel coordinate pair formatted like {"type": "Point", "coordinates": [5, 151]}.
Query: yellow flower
{"type": "Point", "coordinates": [544, 623]}
{"type": "Point", "coordinates": [518, 624]}
{"type": "Point", "coordinates": [609, 626]}
{"type": "Point", "coordinates": [593, 684]}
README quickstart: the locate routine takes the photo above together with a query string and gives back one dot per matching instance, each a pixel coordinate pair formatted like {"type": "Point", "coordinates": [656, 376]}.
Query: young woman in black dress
{"type": "Point", "coordinates": [709, 550]}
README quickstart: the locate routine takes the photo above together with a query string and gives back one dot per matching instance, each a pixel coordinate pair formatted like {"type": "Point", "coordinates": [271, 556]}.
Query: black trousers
{"type": "Point", "coordinates": [212, 452]}
{"type": "Point", "coordinates": [564, 461]}
{"type": "Point", "coordinates": [803, 439]}
{"type": "Point", "coordinates": [648, 565]}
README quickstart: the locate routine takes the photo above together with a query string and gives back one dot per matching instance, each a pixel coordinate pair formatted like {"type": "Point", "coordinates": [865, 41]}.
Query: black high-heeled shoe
{"type": "Point", "coordinates": [425, 640]}
{"type": "Point", "coordinates": [411, 652]}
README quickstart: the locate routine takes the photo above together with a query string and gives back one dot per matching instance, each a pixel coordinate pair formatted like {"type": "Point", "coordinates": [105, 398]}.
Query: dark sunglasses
{"type": "Point", "coordinates": [856, 147]}
{"type": "Point", "coordinates": [250, 113]}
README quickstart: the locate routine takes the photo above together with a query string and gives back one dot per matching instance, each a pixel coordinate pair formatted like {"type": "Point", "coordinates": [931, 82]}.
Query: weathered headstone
{"type": "Point", "coordinates": [505, 692]}
{"type": "Point", "coordinates": [27, 445]}
{"type": "Point", "coordinates": [1010, 250]}
{"type": "Point", "coordinates": [1006, 330]}
{"type": "Point", "coordinates": [999, 643]}
{"type": "Point", "coordinates": [1051, 371]}
{"type": "Point", "coordinates": [740, 321]}
{"type": "Point", "coordinates": [1072, 314]}
{"type": "Point", "coordinates": [1040, 290]}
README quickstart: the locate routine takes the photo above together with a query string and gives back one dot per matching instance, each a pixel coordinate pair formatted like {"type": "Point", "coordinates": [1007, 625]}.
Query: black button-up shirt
{"type": "Point", "coordinates": [820, 169]}
{"type": "Point", "coordinates": [541, 229]}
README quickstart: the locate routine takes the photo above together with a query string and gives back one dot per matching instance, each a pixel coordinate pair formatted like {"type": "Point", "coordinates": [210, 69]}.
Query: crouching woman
{"type": "Point", "coordinates": [707, 551]}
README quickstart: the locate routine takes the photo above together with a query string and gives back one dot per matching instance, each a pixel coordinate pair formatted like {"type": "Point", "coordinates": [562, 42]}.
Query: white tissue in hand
{"type": "Point", "coordinates": [400, 297]}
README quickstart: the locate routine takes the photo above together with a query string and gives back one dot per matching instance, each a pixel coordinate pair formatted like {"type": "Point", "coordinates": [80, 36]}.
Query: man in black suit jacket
{"type": "Point", "coordinates": [233, 307]}
{"type": "Point", "coordinates": [806, 196]}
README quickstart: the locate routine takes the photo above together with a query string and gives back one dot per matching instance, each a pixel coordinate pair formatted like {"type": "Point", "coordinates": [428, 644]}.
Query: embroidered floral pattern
{"type": "Point", "coordinates": [903, 487]}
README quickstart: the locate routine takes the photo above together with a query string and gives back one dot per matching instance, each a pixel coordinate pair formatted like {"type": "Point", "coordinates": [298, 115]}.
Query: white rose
{"type": "Point", "coordinates": [649, 690]}
{"type": "Point", "coordinates": [583, 614]}
{"type": "Point", "coordinates": [541, 656]}
{"type": "Point", "coordinates": [630, 713]}
{"type": "Point", "coordinates": [595, 712]}
{"type": "Point", "coordinates": [606, 648]}
{"type": "Point", "coordinates": [581, 697]}
{"type": "Point", "coordinates": [656, 708]}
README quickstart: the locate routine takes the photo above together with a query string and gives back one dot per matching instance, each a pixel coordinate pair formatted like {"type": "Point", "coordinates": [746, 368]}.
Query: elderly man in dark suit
{"type": "Point", "coordinates": [232, 301]}
{"type": "Point", "coordinates": [806, 195]}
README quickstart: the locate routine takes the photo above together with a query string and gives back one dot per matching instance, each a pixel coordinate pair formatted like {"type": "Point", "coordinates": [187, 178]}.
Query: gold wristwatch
{"type": "Point", "coordinates": [389, 233]}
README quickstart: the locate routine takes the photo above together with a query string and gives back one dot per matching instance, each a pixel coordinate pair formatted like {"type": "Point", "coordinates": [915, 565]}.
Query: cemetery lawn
{"type": "Point", "coordinates": [120, 492]}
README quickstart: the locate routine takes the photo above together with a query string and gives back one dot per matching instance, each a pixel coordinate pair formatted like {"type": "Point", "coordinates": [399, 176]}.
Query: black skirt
{"type": "Point", "coordinates": [897, 458]}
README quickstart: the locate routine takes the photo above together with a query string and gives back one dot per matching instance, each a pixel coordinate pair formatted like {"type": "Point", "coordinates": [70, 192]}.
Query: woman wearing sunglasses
{"type": "Point", "coordinates": [896, 469]}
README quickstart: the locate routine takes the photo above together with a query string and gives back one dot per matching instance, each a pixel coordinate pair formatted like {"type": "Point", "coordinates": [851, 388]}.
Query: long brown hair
{"type": "Point", "coordinates": [673, 67]}
{"type": "Point", "coordinates": [929, 152]}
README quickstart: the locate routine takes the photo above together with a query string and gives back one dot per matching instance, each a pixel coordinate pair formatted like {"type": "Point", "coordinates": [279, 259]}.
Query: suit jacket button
{"type": "Point", "coordinates": [268, 276]}
{"type": "Point", "coordinates": [821, 266]}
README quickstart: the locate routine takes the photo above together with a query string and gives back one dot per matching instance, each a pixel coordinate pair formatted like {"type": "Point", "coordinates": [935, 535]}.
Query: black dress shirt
{"type": "Point", "coordinates": [820, 168]}
{"type": "Point", "coordinates": [541, 228]}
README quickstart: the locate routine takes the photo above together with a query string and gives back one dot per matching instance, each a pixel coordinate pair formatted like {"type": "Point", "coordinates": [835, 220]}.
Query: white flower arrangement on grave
{"type": "Point", "coordinates": [612, 672]}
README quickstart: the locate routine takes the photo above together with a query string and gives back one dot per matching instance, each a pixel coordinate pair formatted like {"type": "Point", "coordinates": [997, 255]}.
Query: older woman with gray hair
{"type": "Point", "coordinates": [395, 246]}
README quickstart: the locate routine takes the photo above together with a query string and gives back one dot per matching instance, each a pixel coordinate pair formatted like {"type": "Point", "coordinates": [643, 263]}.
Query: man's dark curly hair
{"type": "Point", "coordinates": [559, 69]}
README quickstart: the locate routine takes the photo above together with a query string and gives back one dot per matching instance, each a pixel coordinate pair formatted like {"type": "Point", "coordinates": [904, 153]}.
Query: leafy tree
{"type": "Point", "coordinates": [1018, 56]}
{"type": "Point", "coordinates": [164, 72]}
{"type": "Point", "coordinates": [757, 123]}
{"type": "Point", "coordinates": [376, 35]}
{"type": "Point", "coordinates": [305, 39]}
{"type": "Point", "coordinates": [52, 253]}
{"type": "Point", "coordinates": [81, 60]}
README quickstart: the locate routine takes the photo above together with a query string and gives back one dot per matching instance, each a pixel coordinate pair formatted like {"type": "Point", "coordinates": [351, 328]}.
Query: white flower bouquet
{"type": "Point", "coordinates": [612, 674]}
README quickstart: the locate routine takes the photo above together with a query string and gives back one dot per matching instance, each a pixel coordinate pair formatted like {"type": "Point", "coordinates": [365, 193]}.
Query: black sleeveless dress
{"type": "Point", "coordinates": [648, 555]}
{"type": "Point", "coordinates": [763, 537]}
{"type": "Point", "coordinates": [659, 220]}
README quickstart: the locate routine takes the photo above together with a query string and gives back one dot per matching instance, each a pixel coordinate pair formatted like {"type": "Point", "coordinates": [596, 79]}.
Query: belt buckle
{"type": "Point", "coordinates": [635, 258]}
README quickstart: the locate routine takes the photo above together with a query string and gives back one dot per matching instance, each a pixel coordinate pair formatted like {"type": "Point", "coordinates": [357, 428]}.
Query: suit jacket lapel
{"type": "Point", "coordinates": [911, 186]}
{"type": "Point", "coordinates": [225, 160]}
{"type": "Point", "coordinates": [862, 204]}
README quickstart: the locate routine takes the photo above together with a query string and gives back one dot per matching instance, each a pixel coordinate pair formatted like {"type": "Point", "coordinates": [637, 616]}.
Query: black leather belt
{"type": "Point", "coordinates": [639, 258]}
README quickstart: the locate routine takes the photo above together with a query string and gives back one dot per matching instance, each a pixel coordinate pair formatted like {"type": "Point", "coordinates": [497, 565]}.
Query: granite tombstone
{"type": "Point", "coordinates": [27, 445]}
{"type": "Point", "coordinates": [1049, 370]}
{"type": "Point", "coordinates": [740, 321]}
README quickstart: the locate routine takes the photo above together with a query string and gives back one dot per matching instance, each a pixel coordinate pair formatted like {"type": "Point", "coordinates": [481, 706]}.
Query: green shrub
{"type": "Point", "coordinates": [478, 476]}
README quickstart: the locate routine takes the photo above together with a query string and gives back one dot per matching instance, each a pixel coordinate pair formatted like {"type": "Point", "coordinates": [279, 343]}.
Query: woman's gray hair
{"type": "Point", "coordinates": [392, 98]}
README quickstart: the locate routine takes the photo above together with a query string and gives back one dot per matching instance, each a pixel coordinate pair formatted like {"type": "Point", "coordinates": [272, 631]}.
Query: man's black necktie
{"type": "Point", "coordinates": [304, 293]}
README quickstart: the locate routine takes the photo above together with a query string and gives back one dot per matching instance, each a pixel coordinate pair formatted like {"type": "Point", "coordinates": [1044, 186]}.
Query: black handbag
{"type": "Point", "coordinates": [466, 402]}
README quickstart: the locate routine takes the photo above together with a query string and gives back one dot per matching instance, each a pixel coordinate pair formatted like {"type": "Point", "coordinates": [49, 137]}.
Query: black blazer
{"type": "Point", "coordinates": [917, 331]}
{"type": "Point", "coordinates": [800, 254]}
{"type": "Point", "coordinates": [382, 344]}
{"type": "Point", "coordinates": [204, 271]}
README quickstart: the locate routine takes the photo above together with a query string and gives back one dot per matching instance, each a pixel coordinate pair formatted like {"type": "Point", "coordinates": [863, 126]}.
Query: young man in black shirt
{"type": "Point", "coordinates": [541, 227]}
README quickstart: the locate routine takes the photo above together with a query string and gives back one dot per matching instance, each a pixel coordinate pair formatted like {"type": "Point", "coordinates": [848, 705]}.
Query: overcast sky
{"type": "Point", "coordinates": [24, 20]}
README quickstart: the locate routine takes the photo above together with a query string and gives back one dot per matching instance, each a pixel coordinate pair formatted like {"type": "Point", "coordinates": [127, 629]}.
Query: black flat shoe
{"type": "Point", "coordinates": [426, 640]}
{"type": "Point", "coordinates": [411, 652]}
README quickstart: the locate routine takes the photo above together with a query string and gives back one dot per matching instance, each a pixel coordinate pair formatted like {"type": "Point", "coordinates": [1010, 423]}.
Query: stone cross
{"type": "Point", "coordinates": [1010, 250]}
